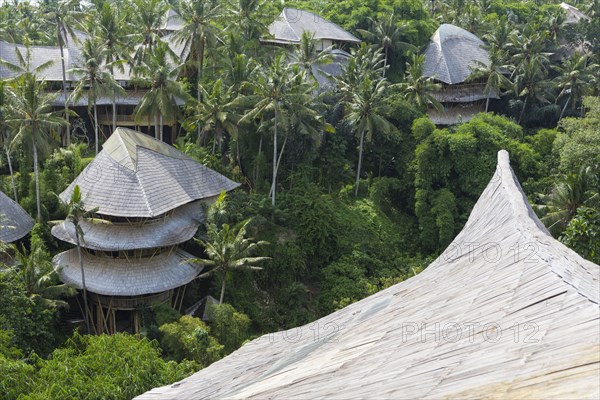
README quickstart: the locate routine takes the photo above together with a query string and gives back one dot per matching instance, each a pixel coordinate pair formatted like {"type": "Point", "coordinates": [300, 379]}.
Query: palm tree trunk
{"type": "Point", "coordinates": [487, 102]}
{"type": "Point", "coordinates": [222, 289]}
{"type": "Point", "coordinates": [114, 102]}
{"type": "Point", "coordinates": [12, 176]}
{"type": "Point", "coordinates": [36, 173]}
{"type": "Point", "coordinates": [565, 107]}
{"type": "Point", "coordinates": [237, 151]}
{"type": "Point", "coordinates": [384, 62]}
{"type": "Point", "coordinates": [279, 158]}
{"type": "Point", "coordinates": [160, 124]}
{"type": "Point", "coordinates": [523, 110]}
{"type": "Point", "coordinates": [96, 133]}
{"type": "Point", "coordinates": [64, 84]}
{"type": "Point", "coordinates": [199, 62]}
{"type": "Point", "coordinates": [257, 157]}
{"type": "Point", "coordinates": [274, 160]}
{"type": "Point", "coordinates": [85, 303]}
{"type": "Point", "coordinates": [360, 152]}
{"type": "Point", "coordinates": [155, 127]}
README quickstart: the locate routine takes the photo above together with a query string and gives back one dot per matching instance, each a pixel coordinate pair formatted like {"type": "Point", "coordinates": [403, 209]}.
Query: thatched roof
{"type": "Point", "coordinates": [404, 342]}
{"type": "Point", "coordinates": [136, 175]}
{"type": "Point", "coordinates": [291, 23]}
{"type": "Point", "coordinates": [14, 221]}
{"type": "Point", "coordinates": [176, 228]}
{"type": "Point", "coordinates": [127, 277]}
{"type": "Point", "coordinates": [573, 14]}
{"type": "Point", "coordinates": [451, 54]}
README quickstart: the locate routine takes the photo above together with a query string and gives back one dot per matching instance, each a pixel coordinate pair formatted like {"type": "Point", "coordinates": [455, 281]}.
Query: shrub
{"type": "Point", "coordinates": [188, 338]}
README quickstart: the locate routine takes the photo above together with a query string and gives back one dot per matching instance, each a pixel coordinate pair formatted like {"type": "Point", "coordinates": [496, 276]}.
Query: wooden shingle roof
{"type": "Point", "coordinates": [291, 23]}
{"type": "Point", "coordinates": [136, 175]}
{"type": "Point", "coordinates": [505, 312]}
{"type": "Point", "coordinates": [14, 221]}
{"type": "Point", "coordinates": [127, 277]}
{"type": "Point", "coordinates": [177, 227]}
{"type": "Point", "coordinates": [451, 54]}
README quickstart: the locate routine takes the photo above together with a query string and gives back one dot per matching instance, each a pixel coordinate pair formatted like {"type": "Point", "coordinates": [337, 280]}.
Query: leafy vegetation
{"type": "Point", "coordinates": [347, 188]}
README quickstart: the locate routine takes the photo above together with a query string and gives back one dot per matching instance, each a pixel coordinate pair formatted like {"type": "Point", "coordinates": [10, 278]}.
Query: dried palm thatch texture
{"type": "Point", "coordinates": [14, 221]}
{"type": "Point", "coordinates": [174, 228]}
{"type": "Point", "coordinates": [451, 54]}
{"type": "Point", "coordinates": [530, 302]}
{"type": "Point", "coordinates": [291, 23]}
{"type": "Point", "coordinates": [138, 176]}
{"type": "Point", "coordinates": [127, 277]}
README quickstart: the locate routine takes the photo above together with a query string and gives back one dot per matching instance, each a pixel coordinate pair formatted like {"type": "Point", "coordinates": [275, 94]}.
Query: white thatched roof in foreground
{"type": "Point", "coordinates": [176, 228]}
{"type": "Point", "coordinates": [291, 23]}
{"type": "Point", "coordinates": [14, 221]}
{"type": "Point", "coordinates": [138, 176]}
{"type": "Point", "coordinates": [452, 53]}
{"type": "Point", "coordinates": [526, 306]}
{"type": "Point", "coordinates": [122, 277]}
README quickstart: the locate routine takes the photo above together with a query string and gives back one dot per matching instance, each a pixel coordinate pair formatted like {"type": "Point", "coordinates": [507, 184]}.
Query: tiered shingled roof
{"type": "Point", "coordinates": [451, 54]}
{"type": "Point", "coordinates": [505, 312]}
{"type": "Point", "coordinates": [138, 176]}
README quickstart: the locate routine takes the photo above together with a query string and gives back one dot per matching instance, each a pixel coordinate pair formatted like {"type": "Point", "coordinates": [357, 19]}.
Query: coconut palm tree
{"type": "Point", "coordinates": [277, 91]}
{"type": "Point", "coordinates": [110, 30]}
{"type": "Point", "coordinates": [366, 115]}
{"type": "Point", "coordinates": [34, 269]}
{"type": "Point", "coordinates": [387, 34]}
{"type": "Point", "coordinates": [94, 79]}
{"type": "Point", "coordinates": [76, 213]}
{"type": "Point", "coordinates": [63, 14]}
{"type": "Point", "coordinates": [531, 84]}
{"type": "Point", "coordinates": [576, 79]}
{"type": "Point", "coordinates": [32, 119]}
{"type": "Point", "coordinates": [159, 75]}
{"type": "Point", "coordinates": [217, 113]}
{"type": "Point", "coordinates": [416, 87]}
{"type": "Point", "coordinates": [494, 73]}
{"type": "Point", "coordinates": [148, 22]}
{"type": "Point", "coordinates": [199, 31]}
{"type": "Point", "coordinates": [227, 250]}
{"type": "Point", "coordinates": [574, 190]}
{"type": "Point", "coordinates": [245, 14]}
{"type": "Point", "coordinates": [4, 134]}
{"type": "Point", "coordinates": [306, 55]}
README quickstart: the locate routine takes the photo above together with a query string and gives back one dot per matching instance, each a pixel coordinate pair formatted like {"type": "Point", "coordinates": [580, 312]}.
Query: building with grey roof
{"type": "Point", "coordinates": [505, 312]}
{"type": "Point", "coordinates": [15, 223]}
{"type": "Point", "coordinates": [450, 57]}
{"type": "Point", "coordinates": [148, 197]}
{"type": "Point", "coordinates": [287, 31]}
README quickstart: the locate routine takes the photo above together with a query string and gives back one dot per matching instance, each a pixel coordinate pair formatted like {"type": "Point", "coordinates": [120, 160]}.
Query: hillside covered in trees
{"type": "Point", "coordinates": [346, 188]}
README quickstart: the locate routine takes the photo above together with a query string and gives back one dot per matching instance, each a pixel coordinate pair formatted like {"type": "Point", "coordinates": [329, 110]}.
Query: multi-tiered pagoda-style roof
{"type": "Point", "coordinates": [149, 195]}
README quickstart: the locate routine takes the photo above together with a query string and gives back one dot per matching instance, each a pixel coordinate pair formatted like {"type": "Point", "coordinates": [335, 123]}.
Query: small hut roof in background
{"type": "Point", "coordinates": [291, 23]}
{"type": "Point", "coordinates": [127, 277]}
{"type": "Point", "coordinates": [136, 175]}
{"type": "Point", "coordinates": [506, 311]}
{"type": "Point", "coordinates": [573, 14]}
{"type": "Point", "coordinates": [14, 221]}
{"type": "Point", "coordinates": [178, 227]}
{"type": "Point", "coordinates": [452, 53]}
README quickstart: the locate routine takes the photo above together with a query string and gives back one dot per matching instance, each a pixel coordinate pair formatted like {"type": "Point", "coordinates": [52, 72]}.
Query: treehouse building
{"type": "Point", "coordinates": [287, 30]}
{"type": "Point", "coordinates": [148, 197]}
{"type": "Point", "coordinates": [451, 55]}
